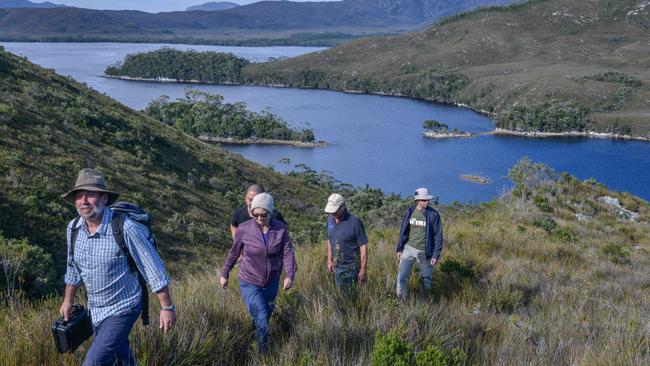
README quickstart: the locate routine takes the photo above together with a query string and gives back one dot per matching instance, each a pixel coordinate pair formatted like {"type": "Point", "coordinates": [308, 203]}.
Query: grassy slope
{"type": "Point", "coordinates": [521, 55]}
{"type": "Point", "coordinates": [51, 126]}
{"type": "Point", "coordinates": [508, 292]}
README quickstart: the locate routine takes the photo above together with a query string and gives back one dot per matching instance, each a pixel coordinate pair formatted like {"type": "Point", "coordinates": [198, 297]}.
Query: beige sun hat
{"type": "Point", "coordinates": [90, 180]}
{"type": "Point", "coordinates": [422, 194]}
{"type": "Point", "coordinates": [334, 202]}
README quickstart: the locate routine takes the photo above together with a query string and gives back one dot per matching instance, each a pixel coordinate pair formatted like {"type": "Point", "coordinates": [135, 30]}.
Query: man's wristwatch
{"type": "Point", "coordinates": [171, 308]}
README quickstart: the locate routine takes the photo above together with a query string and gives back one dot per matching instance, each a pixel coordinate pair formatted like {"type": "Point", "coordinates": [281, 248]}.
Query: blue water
{"type": "Point", "coordinates": [372, 140]}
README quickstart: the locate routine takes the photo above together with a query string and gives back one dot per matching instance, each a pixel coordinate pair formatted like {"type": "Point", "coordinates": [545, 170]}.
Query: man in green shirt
{"type": "Point", "coordinates": [420, 241]}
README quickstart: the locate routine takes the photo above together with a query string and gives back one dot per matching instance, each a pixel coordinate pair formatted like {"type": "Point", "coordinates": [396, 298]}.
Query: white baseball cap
{"type": "Point", "coordinates": [334, 202]}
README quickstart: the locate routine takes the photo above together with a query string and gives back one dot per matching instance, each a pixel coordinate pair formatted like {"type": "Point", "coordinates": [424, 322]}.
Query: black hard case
{"type": "Point", "coordinates": [69, 335]}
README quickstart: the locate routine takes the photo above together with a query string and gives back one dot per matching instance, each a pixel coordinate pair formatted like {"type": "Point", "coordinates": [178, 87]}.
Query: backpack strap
{"type": "Point", "coordinates": [117, 224]}
{"type": "Point", "coordinates": [73, 239]}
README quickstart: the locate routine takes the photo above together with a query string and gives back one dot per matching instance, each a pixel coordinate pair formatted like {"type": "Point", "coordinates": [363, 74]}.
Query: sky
{"type": "Point", "coordinates": [151, 6]}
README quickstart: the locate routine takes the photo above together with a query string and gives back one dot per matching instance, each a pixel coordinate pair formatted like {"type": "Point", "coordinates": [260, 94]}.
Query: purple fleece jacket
{"type": "Point", "coordinates": [262, 264]}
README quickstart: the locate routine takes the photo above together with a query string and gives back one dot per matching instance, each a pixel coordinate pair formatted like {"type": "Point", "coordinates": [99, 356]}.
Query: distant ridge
{"type": "Point", "coordinates": [296, 22]}
{"type": "Point", "coordinates": [213, 6]}
{"type": "Point", "coordinates": [8, 4]}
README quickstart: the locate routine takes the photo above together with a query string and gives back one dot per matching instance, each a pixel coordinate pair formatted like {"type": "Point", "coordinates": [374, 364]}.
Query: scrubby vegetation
{"type": "Point", "coordinates": [169, 63]}
{"type": "Point", "coordinates": [201, 113]}
{"type": "Point", "coordinates": [507, 291]}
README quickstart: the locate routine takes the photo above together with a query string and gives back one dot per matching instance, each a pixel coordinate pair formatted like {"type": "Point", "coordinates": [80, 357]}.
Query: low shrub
{"type": "Point", "coordinates": [617, 254]}
{"type": "Point", "coordinates": [546, 222]}
{"type": "Point", "coordinates": [391, 350]}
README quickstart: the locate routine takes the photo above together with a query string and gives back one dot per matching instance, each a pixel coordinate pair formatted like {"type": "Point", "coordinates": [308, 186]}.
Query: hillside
{"type": "Point", "coordinates": [52, 126]}
{"type": "Point", "coordinates": [552, 273]}
{"type": "Point", "coordinates": [265, 22]}
{"type": "Point", "coordinates": [547, 65]}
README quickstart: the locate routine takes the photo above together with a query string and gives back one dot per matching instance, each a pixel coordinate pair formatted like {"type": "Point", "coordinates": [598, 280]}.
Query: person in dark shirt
{"type": "Point", "coordinates": [243, 213]}
{"type": "Point", "coordinates": [347, 242]}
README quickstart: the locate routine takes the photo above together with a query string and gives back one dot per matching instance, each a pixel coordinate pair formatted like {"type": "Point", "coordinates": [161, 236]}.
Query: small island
{"type": "Point", "coordinates": [205, 116]}
{"type": "Point", "coordinates": [478, 179]}
{"type": "Point", "coordinates": [168, 64]}
{"type": "Point", "coordinates": [439, 130]}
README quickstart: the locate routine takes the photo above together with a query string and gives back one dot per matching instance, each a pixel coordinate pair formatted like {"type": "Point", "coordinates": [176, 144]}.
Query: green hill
{"type": "Point", "coordinates": [51, 126]}
{"type": "Point", "coordinates": [547, 65]}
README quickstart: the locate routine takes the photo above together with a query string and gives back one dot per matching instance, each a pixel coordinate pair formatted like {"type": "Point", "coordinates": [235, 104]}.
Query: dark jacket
{"type": "Point", "coordinates": [433, 246]}
{"type": "Point", "coordinates": [261, 264]}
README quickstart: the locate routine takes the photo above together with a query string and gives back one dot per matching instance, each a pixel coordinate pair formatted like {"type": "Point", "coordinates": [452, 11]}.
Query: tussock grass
{"type": "Point", "coordinates": [506, 292]}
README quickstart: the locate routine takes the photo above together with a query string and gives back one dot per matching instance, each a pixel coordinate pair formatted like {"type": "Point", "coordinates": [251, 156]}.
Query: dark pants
{"type": "Point", "coordinates": [260, 302]}
{"type": "Point", "coordinates": [111, 343]}
{"type": "Point", "coordinates": [346, 277]}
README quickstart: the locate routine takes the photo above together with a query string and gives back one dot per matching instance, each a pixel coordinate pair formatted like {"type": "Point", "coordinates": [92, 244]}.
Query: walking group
{"type": "Point", "coordinates": [114, 255]}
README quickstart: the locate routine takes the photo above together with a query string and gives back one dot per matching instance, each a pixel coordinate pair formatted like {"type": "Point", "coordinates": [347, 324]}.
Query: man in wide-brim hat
{"type": "Point", "coordinates": [90, 180]}
{"type": "Point", "coordinates": [95, 260]}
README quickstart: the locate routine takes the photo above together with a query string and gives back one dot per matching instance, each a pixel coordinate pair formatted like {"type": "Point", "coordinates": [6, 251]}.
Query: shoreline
{"type": "Point", "coordinates": [169, 80]}
{"type": "Point", "coordinates": [496, 131]}
{"type": "Point", "coordinates": [446, 135]}
{"type": "Point", "coordinates": [590, 134]}
{"type": "Point", "coordinates": [232, 141]}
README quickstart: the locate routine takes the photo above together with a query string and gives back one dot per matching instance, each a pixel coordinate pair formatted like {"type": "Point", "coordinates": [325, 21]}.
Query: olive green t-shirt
{"type": "Point", "coordinates": [417, 233]}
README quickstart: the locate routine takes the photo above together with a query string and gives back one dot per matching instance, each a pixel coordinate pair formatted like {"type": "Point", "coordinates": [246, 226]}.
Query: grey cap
{"type": "Point", "coordinates": [263, 200]}
{"type": "Point", "coordinates": [422, 194]}
{"type": "Point", "coordinates": [90, 180]}
{"type": "Point", "coordinates": [334, 202]}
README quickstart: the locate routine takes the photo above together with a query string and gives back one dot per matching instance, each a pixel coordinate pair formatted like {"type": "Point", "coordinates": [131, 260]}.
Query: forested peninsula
{"type": "Point", "coordinates": [514, 63]}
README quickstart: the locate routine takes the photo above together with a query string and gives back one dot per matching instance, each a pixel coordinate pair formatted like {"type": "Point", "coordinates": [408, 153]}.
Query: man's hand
{"type": "Point", "coordinates": [362, 276]}
{"type": "Point", "coordinates": [330, 265]}
{"type": "Point", "coordinates": [66, 310]}
{"type": "Point", "coordinates": [224, 282]}
{"type": "Point", "coordinates": [68, 298]}
{"type": "Point", "coordinates": [433, 261]}
{"type": "Point", "coordinates": [167, 320]}
{"type": "Point", "coordinates": [399, 256]}
{"type": "Point", "coordinates": [288, 283]}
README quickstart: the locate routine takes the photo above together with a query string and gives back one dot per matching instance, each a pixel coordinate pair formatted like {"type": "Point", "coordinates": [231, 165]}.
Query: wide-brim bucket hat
{"type": "Point", "coordinates": [422, 194]}
{"type": "Point", "coordinates": [90, 180]}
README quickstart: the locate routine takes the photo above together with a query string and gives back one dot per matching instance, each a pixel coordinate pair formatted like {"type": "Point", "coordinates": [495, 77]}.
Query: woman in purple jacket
{"type": "Point", "coordinates": [266, 248]}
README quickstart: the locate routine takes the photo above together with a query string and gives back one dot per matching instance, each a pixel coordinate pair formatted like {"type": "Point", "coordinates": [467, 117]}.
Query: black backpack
{"type": "Point", "coordinates": [122, 210]}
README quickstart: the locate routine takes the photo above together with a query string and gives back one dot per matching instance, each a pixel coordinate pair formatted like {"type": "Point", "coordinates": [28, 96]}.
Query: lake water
{"type": "Point", "coordinates": [372, 140]}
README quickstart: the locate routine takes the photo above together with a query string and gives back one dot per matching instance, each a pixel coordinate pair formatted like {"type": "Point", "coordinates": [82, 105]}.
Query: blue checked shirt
{"type": "Point", "coordinates": [100, 264]}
